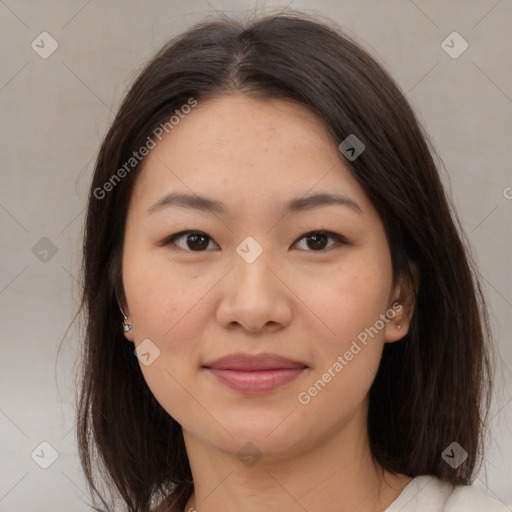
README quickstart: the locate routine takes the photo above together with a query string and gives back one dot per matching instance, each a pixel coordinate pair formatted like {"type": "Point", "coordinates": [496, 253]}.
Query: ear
{"type": "Point", "coordinates": [401, 305]}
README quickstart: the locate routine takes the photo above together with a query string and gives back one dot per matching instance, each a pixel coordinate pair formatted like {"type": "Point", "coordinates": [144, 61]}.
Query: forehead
{"type": "Point", "coordinates": [248, 149]}
{"type": "Point", "coordinates": [242, 113]}
{"type": "Point", "coordinates": [237, 126]}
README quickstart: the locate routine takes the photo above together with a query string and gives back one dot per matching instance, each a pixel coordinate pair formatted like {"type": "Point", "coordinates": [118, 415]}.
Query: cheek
{"type": "Point", "coordinates": [349, 301]}
{"type": "Point", "coordinates": [167, 308]}
{"type": "Point", "coordinates": [171, 389]}
{"type": "Point", "coordinates": [348, 346]}
{"type": "Point", "coordinates": [162, 297]}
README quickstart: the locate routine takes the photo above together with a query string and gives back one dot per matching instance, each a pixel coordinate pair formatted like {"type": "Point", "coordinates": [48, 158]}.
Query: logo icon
{"type": "Point", "coordinates": [249, 454]}
{"type": "Point", "coordinates": [44, 45]}
{"type": "Point", "coordinates": [454, 455]}
{"type": "Point", "coordinates": [351, 147]}
{"type": "Point", "coordinates": [44, 250]}
{"type": "Point", "coordinates": [454, 45]}
{"type": "Point", "coordinates": [249, 249]}
{"type": "Point", "coordinates": [44, 455]}
{"type": "Point", "coordinates": [147, 352]}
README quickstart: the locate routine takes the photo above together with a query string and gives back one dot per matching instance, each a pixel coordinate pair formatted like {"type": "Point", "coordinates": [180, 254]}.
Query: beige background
{"type": "Point", "coordinates": [55, 112]}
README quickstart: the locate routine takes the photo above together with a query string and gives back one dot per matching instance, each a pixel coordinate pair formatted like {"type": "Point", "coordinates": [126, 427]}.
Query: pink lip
{"type": "Point", "coordinates": [259, 373]}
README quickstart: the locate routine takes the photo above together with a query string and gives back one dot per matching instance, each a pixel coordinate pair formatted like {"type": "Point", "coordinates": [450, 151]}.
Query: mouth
{"type": "Point", "coordinates": [255, 374]}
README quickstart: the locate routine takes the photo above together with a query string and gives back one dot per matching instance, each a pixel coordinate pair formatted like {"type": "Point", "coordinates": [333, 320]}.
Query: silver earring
{"type": "Point", "coordinates": [398, 326]}
{"type": "Point", "coordinates": [126, 325]}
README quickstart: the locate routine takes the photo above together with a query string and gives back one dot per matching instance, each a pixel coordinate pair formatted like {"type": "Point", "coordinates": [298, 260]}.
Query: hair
{"type": "Point", "coordinates": [432, 388]}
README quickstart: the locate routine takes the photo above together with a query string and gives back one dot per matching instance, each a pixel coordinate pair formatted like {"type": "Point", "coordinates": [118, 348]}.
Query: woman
{"type": "Point", "coordinates": [281, 313]}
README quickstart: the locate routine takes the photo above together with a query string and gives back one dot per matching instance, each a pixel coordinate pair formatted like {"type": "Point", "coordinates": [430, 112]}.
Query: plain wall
{"type": "Point", "coordinates": [55, 111]}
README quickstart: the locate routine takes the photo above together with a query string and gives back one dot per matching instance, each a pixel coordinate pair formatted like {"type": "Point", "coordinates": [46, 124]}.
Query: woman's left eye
{"type": "Point", "coordinates": [199, 240]}
{"type": "Point", "coordinates": [318, 238]}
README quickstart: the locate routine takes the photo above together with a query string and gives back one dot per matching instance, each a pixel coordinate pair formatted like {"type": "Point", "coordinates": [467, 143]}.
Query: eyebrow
{"type": "Point", "coordinates": [195, 202]}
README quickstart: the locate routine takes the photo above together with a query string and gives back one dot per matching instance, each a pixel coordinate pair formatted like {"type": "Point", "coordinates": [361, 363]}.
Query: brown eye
{"type": "Point", "coordinates": [197, 242]}
{"type": "Point", "coordinates": [194, 241]}
{"type": "Point", "coordinates": [316, 241]}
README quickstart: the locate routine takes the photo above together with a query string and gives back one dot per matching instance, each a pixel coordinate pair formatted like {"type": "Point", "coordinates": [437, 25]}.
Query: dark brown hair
{"type": "Point", "coordinates": [432, 388]}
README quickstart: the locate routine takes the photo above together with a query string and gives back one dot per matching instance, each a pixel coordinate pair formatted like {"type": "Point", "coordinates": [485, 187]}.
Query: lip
{"type": "Point", "coordinates": [264, 361]}
{"type": "Point", "coordinates": [253, 374]}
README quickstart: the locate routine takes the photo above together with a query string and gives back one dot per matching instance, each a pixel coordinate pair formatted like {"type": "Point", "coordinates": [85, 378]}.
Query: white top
{"type": "Point", "coordinates": [427, 493]}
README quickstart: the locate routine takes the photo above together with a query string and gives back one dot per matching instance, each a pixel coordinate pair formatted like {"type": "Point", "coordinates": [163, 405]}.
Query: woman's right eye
{"type": "Point", "coordinates": [195, 241]}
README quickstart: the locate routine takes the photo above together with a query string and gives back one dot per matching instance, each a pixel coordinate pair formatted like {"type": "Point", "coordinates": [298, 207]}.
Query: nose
{"type": "Point", "coordinates": [254, 296]}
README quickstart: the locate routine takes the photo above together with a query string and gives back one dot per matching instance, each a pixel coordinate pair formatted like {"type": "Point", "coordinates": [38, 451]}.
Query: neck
{"type": "Point", "coordinates": [335, 475]}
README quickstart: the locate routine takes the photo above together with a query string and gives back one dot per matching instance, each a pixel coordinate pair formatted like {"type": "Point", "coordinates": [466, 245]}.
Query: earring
{"type": "Point", "coordinates": [398, 326]}
{"type": "Point", "coordinates": [126, 325]}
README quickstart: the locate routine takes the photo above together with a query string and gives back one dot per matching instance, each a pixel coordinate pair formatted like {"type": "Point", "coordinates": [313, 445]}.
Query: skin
{"type": "Point", "coordinates": [296, 300]}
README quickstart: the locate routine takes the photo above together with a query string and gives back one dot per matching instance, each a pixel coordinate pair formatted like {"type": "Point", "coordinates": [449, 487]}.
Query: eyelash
{"type": "Point", "coordinates": [335, 236]}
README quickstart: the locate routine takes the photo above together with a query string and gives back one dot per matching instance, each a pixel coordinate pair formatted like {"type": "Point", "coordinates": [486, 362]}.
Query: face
{"type": "Point", "coordinates": [266, 270]}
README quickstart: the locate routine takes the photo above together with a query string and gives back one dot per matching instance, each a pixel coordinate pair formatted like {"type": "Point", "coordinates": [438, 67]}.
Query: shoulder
{"type": "Point", "coordinates": [427, 493]}
{"type": "Point", "coordinates": [470, 499]}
